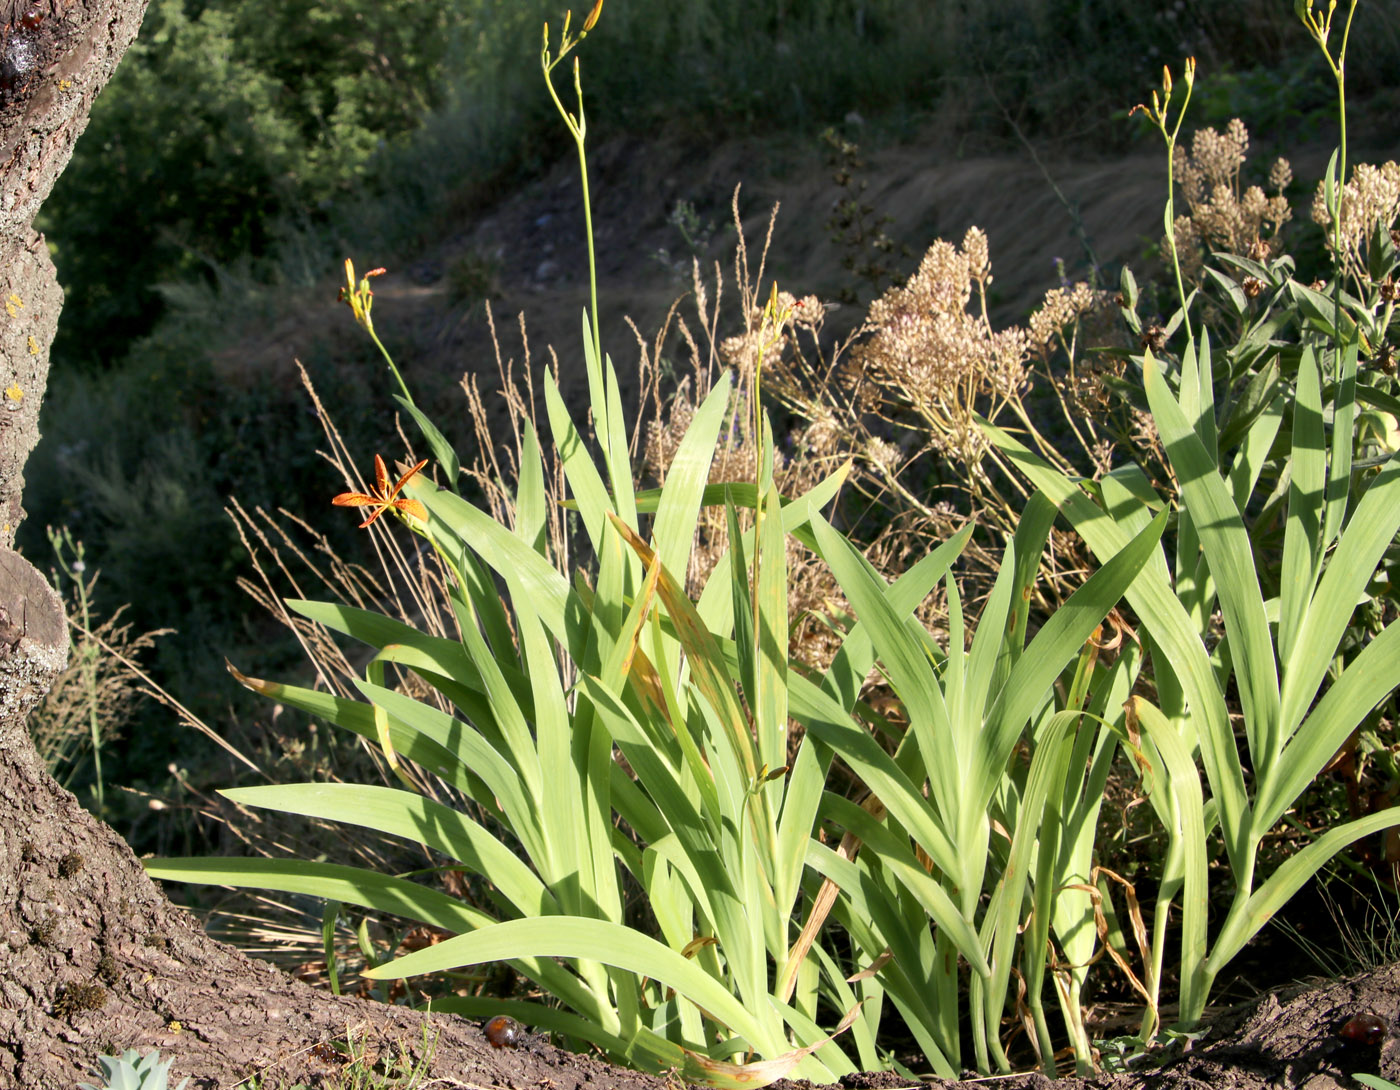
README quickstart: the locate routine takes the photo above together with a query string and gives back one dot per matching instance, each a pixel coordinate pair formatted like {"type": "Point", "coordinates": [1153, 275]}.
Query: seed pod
{"type": "Point", "coordinates": [504, 1031]}
{"type": "Point", "coordinates": [1364, 1029]}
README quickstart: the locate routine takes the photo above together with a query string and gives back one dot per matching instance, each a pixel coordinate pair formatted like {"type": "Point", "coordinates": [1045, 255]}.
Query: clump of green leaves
{"type": "Point", "coordinates": [529, 703]}
{"type": "Point", "coordinates": [605, 733]}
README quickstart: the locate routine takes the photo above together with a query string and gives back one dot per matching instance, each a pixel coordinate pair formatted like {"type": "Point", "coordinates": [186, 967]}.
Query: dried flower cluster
{"type": "Point", "coordinates": [1062, 309]}
{"type": "Point", "coordinates": [1221, 217]}
{"type": "Point", "coordinates": [928, 352]}
{"type": "Point", "coordinates": [1369, 201]}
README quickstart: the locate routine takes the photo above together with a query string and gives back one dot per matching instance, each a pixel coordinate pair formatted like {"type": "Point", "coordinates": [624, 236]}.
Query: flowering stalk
{"type": "Point", "coordinates": [1320, 27]}
{"type": "Point", "coordinates": [1159, 114]}
{"type": "Point", "coordinates": [360, 299]}
{"type": "Point", "coordinates": [578, 128]}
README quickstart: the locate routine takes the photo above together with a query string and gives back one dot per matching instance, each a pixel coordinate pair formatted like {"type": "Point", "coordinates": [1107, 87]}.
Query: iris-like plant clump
{"type": "Point", "coordinates": [754, 772]}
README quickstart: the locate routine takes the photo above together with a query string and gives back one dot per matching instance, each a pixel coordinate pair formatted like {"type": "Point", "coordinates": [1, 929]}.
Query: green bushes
{"type": "Point", "coordinates": [226, 121]}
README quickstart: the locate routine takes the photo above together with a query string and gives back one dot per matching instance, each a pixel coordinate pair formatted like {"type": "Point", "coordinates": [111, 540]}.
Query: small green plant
{"type": "Point", "coordinates": [353, 1065]}
{"type": "Point", "coordinates": [132, 1071]}
{"type": "Point", "coordinates": [696, 234]}
{"type": "Point", "coordinates": [95, 697]}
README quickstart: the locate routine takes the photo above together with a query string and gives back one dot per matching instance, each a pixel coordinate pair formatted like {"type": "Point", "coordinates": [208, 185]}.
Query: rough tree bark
{"type": "Point", "coordinates": [93, 958]}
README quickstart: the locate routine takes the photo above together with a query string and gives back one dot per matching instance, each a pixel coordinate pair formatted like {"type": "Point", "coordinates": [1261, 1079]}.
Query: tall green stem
{"type": "Point", "coordinates": [578, 128]}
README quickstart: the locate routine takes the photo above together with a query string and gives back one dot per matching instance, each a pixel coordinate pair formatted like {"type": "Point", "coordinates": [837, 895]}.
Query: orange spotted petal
{"type": "Point", "coordinates": [412, 508]}
{"type": "Point", "coordinates": [407, 476]}
{"type": "Point", "coordinates": [381, 477]}
{"type": "Point", "coordinates": [353, 499]}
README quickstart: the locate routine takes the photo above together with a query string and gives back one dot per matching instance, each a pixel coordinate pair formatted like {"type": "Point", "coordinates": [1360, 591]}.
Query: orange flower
{"type": "Point", "coordinates": [384, 497]}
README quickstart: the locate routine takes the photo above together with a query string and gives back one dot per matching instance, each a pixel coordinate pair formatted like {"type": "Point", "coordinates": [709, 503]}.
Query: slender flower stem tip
{"type": "Point", "coordinates": [358, 295]}
{"type": "Point", "coordinates": [1157, 112]}
{"type": "Point", "coordinates": [384, 498]}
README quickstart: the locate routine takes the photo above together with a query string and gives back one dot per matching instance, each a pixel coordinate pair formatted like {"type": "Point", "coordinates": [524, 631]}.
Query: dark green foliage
{"type": "Point", "coordinates": [224, 120]}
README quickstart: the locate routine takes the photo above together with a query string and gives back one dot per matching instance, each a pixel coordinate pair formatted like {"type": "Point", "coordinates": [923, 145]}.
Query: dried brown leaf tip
{"type": "Point", "coordinates": [383, 498]}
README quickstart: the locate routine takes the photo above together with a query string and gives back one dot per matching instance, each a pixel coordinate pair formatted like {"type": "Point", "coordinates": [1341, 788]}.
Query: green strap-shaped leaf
{"type": "Point", "coordinates": [1054, 646]}
{"type": "Point", "coordinates": [1351, 567]}
{"type": "Point", "coordinates": [476, 755]}
{"type": "Point", "coordinates": [833, 726]}
{"type": "Point", "coordinates": [909, 668]}
{"type": "Point", "coordinates": [594, 940]}
{"type": "Point", "coordinates": [441, 448]}
{"type": "Point", "coordinates": [1226, 544]}
{"type": "Point", "coordinates": [358, 717]}
{"type": "Point", "coordinates": [674, 528]}
{"type": "Point", "coordinates": [616, 449]}
{"type": "Point", "coordinates": [1182, 656]}
{"type": "Point", "coordinates": [1032, 530]}
{"type": "Point", "coordinates": [453, 517]}
{"type": "Point", "coordinates": [1187, 828]}
{"type": "Point", "coordinates": [531, 499]}
{"type": "Point", "coordinates": [896, 854]}
{"type": "Point", "coordinates": [331, 881]}
{"type": "Point", "coordinates": [769, 704]}
{"type": "Point", "coordinates": [1307, 502]}
{"type": "Point", "coordinates": [1343, 435]}
{"type": "Point", "coordinates": [420, 650]}
{"type": "Point", "coordinates": [715, 601]}
{"type": "Point", "coordinates": [1371, 677]}
{"type": "Point", "coordinates": [416, 819]}
{"type": "Point", "coordinates": [590, 494]}
{"type": "Point", "coordinates": [857, 654]}
{"type": "Point", "coordinates": [801, 801]}
{"type": "Point", "coordinates": [1243, 925]}
{"type": "Point", "coordinates": [559, 802]}
{"type": "Point", "coordinates": [1049, 770]}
